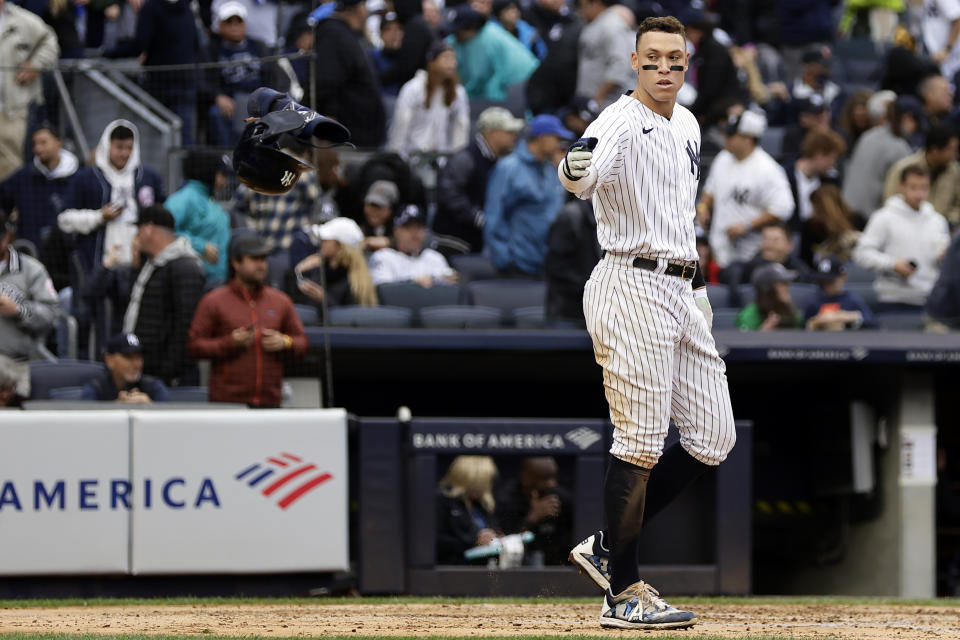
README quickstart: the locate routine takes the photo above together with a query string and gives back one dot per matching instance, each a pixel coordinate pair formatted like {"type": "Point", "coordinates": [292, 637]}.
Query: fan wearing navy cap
{"type": "Point", "coordinates": [123, 378]}
{"type": "Point", "coordinates": [408, 259]}
{"type": "Point", "coordinates": [524, 198]}
{"type": "Point", "coordinates": [834, 308]}
{"type": "Point", "coordinates": [246, 328]}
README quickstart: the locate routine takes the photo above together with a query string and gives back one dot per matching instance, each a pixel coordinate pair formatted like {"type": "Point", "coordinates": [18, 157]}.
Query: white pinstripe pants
{"type": "Point", "coordinates": [659, 362]}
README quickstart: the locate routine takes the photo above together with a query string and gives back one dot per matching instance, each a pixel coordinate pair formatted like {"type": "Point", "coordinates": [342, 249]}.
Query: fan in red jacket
{"type": "Point", "coordinates": [245, 327]}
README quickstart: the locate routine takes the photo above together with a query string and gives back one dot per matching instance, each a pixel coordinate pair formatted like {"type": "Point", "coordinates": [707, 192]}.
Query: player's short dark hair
{"type": "Point", "coordinates": [825, 142]}
{"type": "Point", "coordinates": [121, 133]}
{"type": "Point", "coordinates": [913, 170]}
{"type": "Point", "coordinates": [49, 128]}
{"type": "Point", "coordinates": [664, 24]}
{"type": "Point", "coordinates": [939, 136]}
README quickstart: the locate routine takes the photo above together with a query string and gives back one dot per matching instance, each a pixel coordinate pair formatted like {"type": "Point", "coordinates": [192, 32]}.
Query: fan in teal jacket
{"type": "Point", "coordinates": [490, 60]}
{"type": "Point", "coordinates": [523, 199]}
{"type": "Point", "coordinates": [198, 216]}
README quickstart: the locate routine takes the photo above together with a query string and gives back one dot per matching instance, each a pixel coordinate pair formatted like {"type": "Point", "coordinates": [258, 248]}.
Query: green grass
{"type": "Point", "coordinates": [686, 635]}
{"type": "Point", "coordinates": [321, 601]}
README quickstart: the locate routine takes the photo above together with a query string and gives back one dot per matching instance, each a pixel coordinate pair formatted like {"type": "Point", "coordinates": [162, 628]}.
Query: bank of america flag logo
{"type": "Point", "coordinates": [285, 478]}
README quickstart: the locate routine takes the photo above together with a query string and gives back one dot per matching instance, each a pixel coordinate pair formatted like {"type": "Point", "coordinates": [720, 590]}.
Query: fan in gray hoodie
{"type": "Point", "coordinates": [28, 301]}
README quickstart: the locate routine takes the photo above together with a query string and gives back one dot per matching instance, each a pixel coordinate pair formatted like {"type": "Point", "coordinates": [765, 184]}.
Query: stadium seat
{"type": "Point", "coordinates": [307, 313]}
{"type": "Point", "coordinates": [277, 266]}
{"type": "Point", "coordinates": [473, 267]}
{"type": "Point", "coordinates": [507, 295]}
{"type": "Point", "coordinates": [460, 317]}
{"type": "Point", "coordinates": [66, 393]}
{"type": "Point", "coordinates": [803, 294]}
{"type": "Point", "coordinates": [189, 394]}
{"type": "Point", "coordinates": [724, 319]}
{"type": "Point", "coordinates": [411, 295]}
{"type": "Point", "coordinates": [530, 317]}
{"type": "Point", "coordinates": [900, 320]}
{"type": "Point", "coordinates": [719, 296]}
{"type": "Point", "coordinates": [856, 273]}
{"type": "Point", "coordinates": [382, 317]}
{"type": "Point", "coordinates": [46, 375]}
{"type": "Point", "coordinates": [772, 141]}
{"type": "Point", "coordinates": [865, 290]}
{"type": "Point", "coordinates": [745, 294]}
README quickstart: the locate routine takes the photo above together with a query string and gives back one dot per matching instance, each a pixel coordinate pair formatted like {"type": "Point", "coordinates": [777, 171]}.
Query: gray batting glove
{"type": "Point", "coordinates": [576, 164]}
{"type": "Point", "coordinates": [703, 303]}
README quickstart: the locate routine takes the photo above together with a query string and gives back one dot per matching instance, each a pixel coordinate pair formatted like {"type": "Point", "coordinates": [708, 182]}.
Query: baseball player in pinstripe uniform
{"type": "Point", "coordinates": [640, 164]}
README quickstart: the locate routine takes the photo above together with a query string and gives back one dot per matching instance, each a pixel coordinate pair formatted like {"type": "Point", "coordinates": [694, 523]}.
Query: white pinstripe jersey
{"type": "Point", "coordinates": [647, 168]}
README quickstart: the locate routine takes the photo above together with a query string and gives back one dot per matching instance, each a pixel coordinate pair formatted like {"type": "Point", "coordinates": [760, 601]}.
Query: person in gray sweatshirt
{"type": "Point", "coordinates": [28, 301]}
{"type": "Point", "coordinates": [904, 242]}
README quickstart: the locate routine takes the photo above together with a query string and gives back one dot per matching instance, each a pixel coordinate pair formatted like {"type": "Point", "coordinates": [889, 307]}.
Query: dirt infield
{"type": "Point", "coordinates": [478, 619]}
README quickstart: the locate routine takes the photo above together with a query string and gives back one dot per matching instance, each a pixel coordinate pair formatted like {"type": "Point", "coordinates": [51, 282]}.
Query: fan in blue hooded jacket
{"type": "Point", "coordinates": [103, 200]}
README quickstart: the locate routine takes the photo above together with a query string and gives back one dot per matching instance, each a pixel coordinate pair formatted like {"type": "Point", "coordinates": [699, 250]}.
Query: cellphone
{"type": "Point", "coordinates": [585, 144]}
{"type": "Point", "coordinates": [299, 275]}
{"type": "Point", "coordinates": [912, 263]}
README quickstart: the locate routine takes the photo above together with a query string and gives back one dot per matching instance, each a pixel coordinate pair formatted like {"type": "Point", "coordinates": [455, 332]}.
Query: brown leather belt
{"type": "Point", "coordinates": [685, 271]}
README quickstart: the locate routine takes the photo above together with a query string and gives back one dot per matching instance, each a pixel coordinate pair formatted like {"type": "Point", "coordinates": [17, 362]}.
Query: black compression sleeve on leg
{"type": "Point", "coordinates": [625, 492]}
{"type": "Point", "coordinates": [697, 282]}
{"type": "Point", "coordinates": [675, 471]}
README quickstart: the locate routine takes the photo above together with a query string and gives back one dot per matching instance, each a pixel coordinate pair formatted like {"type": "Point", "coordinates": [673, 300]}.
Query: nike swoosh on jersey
{"type": "Point", "coordinates": [648, 130]}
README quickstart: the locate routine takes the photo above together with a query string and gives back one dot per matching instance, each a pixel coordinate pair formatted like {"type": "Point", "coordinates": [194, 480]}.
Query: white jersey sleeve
{"type": "Point", "coordinates": [777, 198]}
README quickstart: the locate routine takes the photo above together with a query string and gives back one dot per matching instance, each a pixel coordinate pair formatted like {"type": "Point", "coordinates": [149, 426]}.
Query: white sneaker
{"type": "Point", "coordinates": [592, 560]}
{"type": "Point", "coordinates": [641, 607]}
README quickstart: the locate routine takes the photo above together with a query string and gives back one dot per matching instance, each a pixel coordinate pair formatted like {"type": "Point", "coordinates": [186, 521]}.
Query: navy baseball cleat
{"type": "Point", "coordinates": [592, 559]}
{"type": "Point", "coordinates": [641, 607]}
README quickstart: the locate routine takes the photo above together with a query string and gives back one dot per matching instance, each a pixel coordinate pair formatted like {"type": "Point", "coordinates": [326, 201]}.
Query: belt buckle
{"type": "Point", "coordinates": [690, 269]}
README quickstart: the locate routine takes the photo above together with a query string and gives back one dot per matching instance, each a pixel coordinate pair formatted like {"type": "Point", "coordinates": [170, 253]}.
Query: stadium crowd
{"type": "Point", "coordinates": [830, 183]}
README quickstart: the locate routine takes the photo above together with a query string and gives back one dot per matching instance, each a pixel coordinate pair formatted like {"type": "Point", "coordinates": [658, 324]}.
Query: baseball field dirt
{"type": "Point", "coordinates": [465, 619]}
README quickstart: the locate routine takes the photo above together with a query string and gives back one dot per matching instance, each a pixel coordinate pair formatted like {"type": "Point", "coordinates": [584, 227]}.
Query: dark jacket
{"type": "Point", "coordinates": [846, 301]}
{"type": "Point", "coordinates": [804, 22]}
{"type": "Point", "coordinates": [462, 192]}
{"type": "Point", "coordinates": [554, 83]}
{"type": "Point", "coordinates": [103, 388]}
{"type": "Point", "coordinates": [37, 197]}
{"type": "Point", "coordinates": [166, 33]}
{"type": "Point", "coordinates": [457, 530]}
{"type": "Point", "coordinates": [716, 76]}
{"type": "Point", "coordinates": [89, 189]}
{"type": "Point", "coordinates": [347, 85]}
{"type": "Point", "coordinates": [249, 375]}
{"type": "Point", "coordinates": [417, 38]}
{"type": "Point", "coordinates": [237, 77]}
{"type": "Point", "coordinates": [337, 292]}
{"type": "Point", "coordinates": [553, 536]}
{"type": "Point", "coordinates": [572, 253]}
{"type": "Point", "coordinates": [166, 310]}
{"type": "Point", "coordinates": [944, 300]}
{"type": "Point", "coordinates": [790, 168]}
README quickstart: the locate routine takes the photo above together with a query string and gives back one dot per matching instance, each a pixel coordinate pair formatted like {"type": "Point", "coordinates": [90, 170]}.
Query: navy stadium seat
{"type": "Point", "coordinates": [66, 393]}
{"type": "Point", "coordinates": [382, 317]}
{"type": "Point", "coordinates": [460, 317]}
{"type": "Point", "coordinates": [530, 317]}
{"type": "Point", "coordinates": [473, 266]}
{"type": "Point", "coordinates": [46, 375]}
{"type": "Point", "coordinates": [188, 394]}
{"type": "Point", "coordinates": [507, 295]}
{"type": "Point", "coordinates": [411, 295]}
{"type": "Point", "coordinates": [719, 296]}
{"type": "Point", "coordinates": [724, 319]}
{"type": "Point", "coordinates": [308, 314]}
{"type": "Point", "coordinates": [900, 320]}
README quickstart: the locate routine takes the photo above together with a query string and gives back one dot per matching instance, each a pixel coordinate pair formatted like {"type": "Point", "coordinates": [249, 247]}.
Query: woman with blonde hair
{"type": "Point", "coordinates": [346, 272]}
{"type": "Point", "coordinates": [465, 507]}
{"type": "Point", "coordinates": [832, 230]}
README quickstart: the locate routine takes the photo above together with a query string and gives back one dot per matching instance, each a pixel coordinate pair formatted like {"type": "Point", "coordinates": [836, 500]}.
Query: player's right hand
{"type": "Point", "coordinates": [576, 164]}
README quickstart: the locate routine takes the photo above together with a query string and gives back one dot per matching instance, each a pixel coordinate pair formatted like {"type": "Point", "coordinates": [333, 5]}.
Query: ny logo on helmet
{"type": "Point", "coordinates": [288, 178]}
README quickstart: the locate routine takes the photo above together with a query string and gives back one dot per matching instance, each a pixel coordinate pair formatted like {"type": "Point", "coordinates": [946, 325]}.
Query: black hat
{"type": "Point", "coordinates": [829, 269]}
{"type": "Point", "coordinates": [814, 103]}
{"type": "Point", "coordinates": [248, 244]}
{"type": "Point", "coordinates": [814, 54]}
{"type": "Point", "coordinates": [465, 17]}
{"type": "Point", "coordinates": [436, 48]}
{"type": "Point", "coordinates": [408, 215]}
{"type": "Point", "coordinates": [123, 343]}
{"type": "Point", "coordinates": [158, 215]}
{"type": "Point", "coordinates": [585, 107]}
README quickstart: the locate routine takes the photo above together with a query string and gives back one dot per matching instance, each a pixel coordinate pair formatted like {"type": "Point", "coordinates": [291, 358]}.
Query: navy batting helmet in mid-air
{"type": "Point", "coordinates": [266, 158]}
